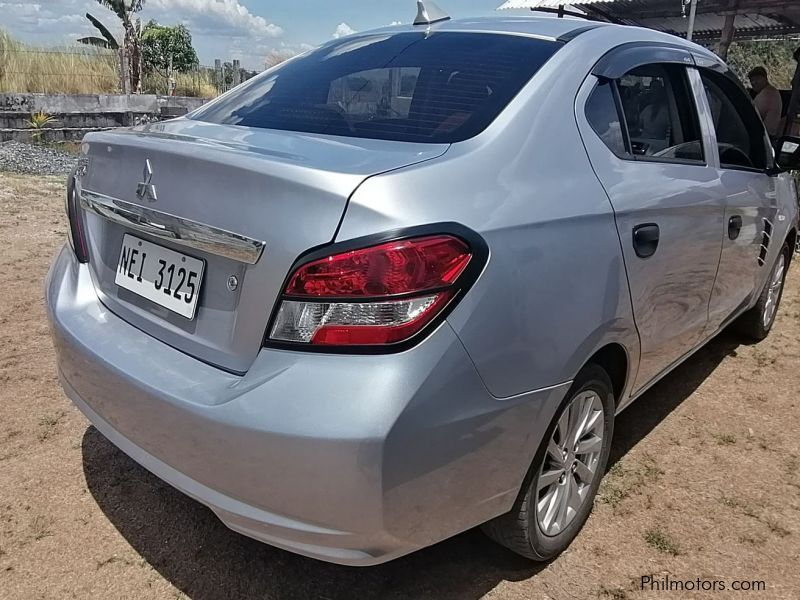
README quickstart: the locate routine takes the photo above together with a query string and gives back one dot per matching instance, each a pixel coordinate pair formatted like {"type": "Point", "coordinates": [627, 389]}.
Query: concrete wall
{"type": "Point", "coordinates": [78, 114]}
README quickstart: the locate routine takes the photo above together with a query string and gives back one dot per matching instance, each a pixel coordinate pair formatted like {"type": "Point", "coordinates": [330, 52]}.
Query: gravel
{"type": "Point", "coordinates": [31, 159]}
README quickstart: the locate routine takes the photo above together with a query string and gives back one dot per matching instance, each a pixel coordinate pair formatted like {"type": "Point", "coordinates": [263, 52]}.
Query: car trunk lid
{"type": "Point", "coordinates": [283, 192]}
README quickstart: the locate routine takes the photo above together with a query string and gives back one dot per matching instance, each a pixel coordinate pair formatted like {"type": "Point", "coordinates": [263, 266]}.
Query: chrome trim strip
{"type": "Point", "coordinates": [175, 229]}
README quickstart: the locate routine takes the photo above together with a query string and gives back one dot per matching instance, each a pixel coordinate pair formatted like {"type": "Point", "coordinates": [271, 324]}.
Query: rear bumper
{"type": "Point", "coordinates": [350, 459]}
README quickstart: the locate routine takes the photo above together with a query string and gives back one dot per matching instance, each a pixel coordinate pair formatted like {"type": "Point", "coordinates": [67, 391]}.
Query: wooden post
{"type": "Point", "coordinates": [727, 36]}
{"type": "Point", "coordinates": [170, 79]}
{"type": "Point", "coordinates": [219, 78]}
{"type": "Point", "coordinates": [728, 30]}
{"type": "Point", "coordinates": [124, 72]}
{"type": "Point", "coordinates": [237, 72]}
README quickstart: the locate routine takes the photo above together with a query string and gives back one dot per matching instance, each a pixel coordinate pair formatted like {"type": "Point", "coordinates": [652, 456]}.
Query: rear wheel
{"type": "Point", "coordinates": [757, 322]}
{"type": "Point", "coordinates": [557, 495]}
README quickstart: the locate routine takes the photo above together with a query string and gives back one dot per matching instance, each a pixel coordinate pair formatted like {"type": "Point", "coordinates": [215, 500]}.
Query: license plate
{"type": "Point", "coordinates": [168, 278]}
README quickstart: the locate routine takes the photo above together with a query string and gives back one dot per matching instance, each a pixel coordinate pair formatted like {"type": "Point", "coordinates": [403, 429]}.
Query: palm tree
{"type": "Point", "coordinates": [125, 10]}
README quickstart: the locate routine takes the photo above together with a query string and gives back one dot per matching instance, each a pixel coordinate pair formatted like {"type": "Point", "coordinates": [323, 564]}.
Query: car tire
{"type": "Point", "coordinates": [526, 529]}
{"type": "Point", "coordinates": [757, 322]}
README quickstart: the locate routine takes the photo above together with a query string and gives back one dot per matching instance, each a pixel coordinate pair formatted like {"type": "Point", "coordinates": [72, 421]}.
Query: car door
{"type": "Point", "coordinates": [648, 149]}
{"type": "Point", "coordinates": [741, 151]}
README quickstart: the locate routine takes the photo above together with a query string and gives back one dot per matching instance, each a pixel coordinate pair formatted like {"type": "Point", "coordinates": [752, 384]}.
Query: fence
{"type": "Point", "coordinates": [70, 71]}
{"type": "Point", "coordinates": [202, 81]}
{"type": "Point", "coordinates": [90, 70]}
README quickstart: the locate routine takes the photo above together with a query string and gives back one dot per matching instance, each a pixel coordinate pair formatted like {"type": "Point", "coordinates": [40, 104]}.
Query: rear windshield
{"type": "Point", "coordinates": [439, 88]}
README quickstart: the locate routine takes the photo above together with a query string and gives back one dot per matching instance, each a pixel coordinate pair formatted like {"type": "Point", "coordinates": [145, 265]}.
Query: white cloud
{"type": "Point", "coordinates": [223, 29]}
{"type": "Point", "coordinates": [259, 55]}
{"type": "Point", "coordinates": [216, 16]}
{"type": "Point", "coordinates": [343, 29]}
{"type": "Point", "coordinates": [21, 9]}
{"type": "Point", "coordinates": [45, 16]}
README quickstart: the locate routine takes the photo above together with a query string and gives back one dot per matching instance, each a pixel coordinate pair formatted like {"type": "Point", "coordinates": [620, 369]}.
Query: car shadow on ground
{"type": "Point", "coordinates": [189, 546]}
{"type": "Point", "coordinates": [641, 417]}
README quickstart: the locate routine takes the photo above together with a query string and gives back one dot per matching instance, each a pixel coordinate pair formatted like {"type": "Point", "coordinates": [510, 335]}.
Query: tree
{"type": "Point", "coordinates": [775, 56]}
{"type": "Point", "coordinates": [166, 47]}
{"type": "Point", "coordinates": [125, 10]}
{"type": "Point", "coordinates": [278, 55]}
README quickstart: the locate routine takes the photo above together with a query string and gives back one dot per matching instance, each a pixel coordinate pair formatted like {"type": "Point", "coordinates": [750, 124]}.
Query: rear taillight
{"type": "Point", "coordinates": [76, 234]}
{"type": "Point", "coordinates": [380, 295]}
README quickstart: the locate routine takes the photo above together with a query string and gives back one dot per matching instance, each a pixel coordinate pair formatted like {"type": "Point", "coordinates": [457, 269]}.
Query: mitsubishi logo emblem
{"type": "Point", "coordinates": [146, 190]}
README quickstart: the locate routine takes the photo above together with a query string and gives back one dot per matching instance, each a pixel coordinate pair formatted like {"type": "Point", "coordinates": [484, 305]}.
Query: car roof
{"type": "Point", "coordinates": [538, 26]}
{"type": "Point", "coordinates": [543, 27]}
{"type": "Point", "coordinates": [549, 28]}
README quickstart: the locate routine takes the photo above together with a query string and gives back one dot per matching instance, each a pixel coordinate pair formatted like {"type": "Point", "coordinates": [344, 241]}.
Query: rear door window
{"type": "Point", "coordinates": [741, 138]}
{"type": "Point", "coordinates": [660, 113]}
{"type": "Point", "coordinates": [440, 88]}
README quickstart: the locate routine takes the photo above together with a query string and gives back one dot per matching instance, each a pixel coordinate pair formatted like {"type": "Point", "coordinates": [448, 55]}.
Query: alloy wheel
{"type": "Point", "coordinates": [570, 463]}
{"type": "Point", "coordinates": [774, 292]}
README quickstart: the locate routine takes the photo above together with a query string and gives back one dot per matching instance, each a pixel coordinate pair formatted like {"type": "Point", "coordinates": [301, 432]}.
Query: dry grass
{"type": "Point", "coordinates": [692, 490]}
{"type": "Point", "coordinates": [198, 84]}
{"type": "Point", "coordinates": [81, 69]}
{"type": "Point", "coordinates": [73, 70]}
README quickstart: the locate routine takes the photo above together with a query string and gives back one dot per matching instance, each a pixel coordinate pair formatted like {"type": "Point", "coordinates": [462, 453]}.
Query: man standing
{"type": "Point", "coordinates": [768, 100]}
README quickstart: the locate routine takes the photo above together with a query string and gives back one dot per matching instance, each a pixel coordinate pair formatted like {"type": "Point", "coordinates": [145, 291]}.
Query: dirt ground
{"type": "Point", "coordinates": [704, 482]}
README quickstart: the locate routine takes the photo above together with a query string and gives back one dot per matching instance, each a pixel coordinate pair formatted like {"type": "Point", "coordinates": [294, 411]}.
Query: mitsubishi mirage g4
{"type": "Point", "coordinates": [400, 286]}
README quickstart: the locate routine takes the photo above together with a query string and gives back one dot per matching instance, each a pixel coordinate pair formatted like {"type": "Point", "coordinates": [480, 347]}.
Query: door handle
{"type": "Point", "coordinates": [734, 226]}
{"type": "Point", "coordinates": [645, 239]}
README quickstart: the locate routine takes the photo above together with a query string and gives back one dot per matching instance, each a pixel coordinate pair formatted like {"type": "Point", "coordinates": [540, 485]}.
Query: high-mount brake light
{"type": "Point", "coordinates": [76, 235]}
{"type": "Point", "coordinates": [382, 294]}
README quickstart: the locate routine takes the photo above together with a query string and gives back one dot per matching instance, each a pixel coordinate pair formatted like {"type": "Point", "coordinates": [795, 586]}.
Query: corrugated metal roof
{"type": "Point", "coordinates": [542, 3]}
{"type": "Point", "coordinates": [710, 23]}
{"type": "Point", "coordinates": [754, 18]}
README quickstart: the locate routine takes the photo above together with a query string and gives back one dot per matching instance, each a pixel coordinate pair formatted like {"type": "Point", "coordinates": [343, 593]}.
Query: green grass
{"type": "Point", "coordinates": [48, 425]}
{"type": "Point", "coordinates": [621, 482]}
{"type": "Point", "coordinates": [659, 540]}
{"type": "Point", "coordinates": [612, 593]}
{"type": "Point", "coordinates": [725, 439]}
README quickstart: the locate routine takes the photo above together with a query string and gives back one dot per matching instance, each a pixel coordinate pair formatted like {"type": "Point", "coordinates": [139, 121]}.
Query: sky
{"type": "Point", "coordinates": [249, 30]}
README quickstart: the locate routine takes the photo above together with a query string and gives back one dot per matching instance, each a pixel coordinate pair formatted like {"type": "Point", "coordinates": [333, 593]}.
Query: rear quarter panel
{"type": "Point", "coordinates": [554, 289]}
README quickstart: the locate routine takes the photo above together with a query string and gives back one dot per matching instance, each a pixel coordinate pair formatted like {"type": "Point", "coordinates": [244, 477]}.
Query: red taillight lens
{"type": "Point", "coordinates": [76, 235]}
{"type": "Point", "coordinates": [383, 294]}
{"type": "Point", "coordinates": [401, 267]}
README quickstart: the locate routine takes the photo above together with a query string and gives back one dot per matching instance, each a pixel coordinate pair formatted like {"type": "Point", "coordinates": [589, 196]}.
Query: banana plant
{"type": "Point", "coordinates": [132, 26]}
{"type": "Point", "coordinates": [107, 40]}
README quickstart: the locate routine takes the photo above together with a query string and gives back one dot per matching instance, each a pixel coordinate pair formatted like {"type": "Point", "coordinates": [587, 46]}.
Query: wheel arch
{"type": "Point", "coordinates": [614, 346]}
{"type": "Point", "coordinates": [791, 240]}
{"type": "Point", "coordinates": [613, 359]}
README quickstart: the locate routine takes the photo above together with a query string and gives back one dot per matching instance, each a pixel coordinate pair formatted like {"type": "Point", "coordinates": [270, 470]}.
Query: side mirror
{"type": "Point", "coordinates": [787, 153]}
